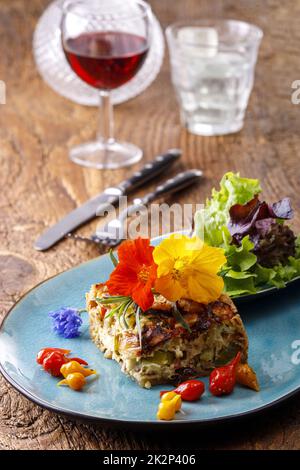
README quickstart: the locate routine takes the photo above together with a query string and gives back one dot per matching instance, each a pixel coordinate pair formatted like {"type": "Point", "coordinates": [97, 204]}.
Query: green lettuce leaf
{"type": "Point", "coordinates": [211, 222]}
{"type": "Point", "coordinates": [235, 287]}
{"type": "Point", "coordinates": [241, 257]}
{"type": "Point", "coordinates": [297, 247]}
{"type": "Point", "coordinates": [237, 275]}
{"type": "Point", "coordinates": [279, 275]}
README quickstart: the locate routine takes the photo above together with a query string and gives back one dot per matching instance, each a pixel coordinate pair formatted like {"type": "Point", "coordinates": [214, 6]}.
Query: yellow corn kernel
{"type": "Point", "coordinates": [166, 411]}
{"type": "Point", "coordinates": [172, 397]}
{"type": "Point", "coordinates": [74, 366]}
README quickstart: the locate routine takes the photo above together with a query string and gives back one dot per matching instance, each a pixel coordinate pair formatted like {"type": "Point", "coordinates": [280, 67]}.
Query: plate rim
{"type": "Point", "coordinates": [114, 422]}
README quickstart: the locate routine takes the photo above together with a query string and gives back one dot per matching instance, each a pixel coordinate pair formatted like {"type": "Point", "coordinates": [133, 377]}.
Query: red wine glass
{"type": "Point", "coordinates": [106, 43]}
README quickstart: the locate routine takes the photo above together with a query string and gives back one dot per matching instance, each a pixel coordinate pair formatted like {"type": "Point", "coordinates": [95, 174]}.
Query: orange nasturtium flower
{"type": "Point", "coordinates": [188, 268]}
{"type": "Point", "coordinates": [135, 274]}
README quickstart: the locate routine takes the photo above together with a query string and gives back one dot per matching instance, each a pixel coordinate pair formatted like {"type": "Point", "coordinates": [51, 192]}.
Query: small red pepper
{"type": "Point", "coordinates": [53, 362]}
{"type": "Point", "coordinates": [103, 311]}
{"type": "Point", "coordinates": [45, 351]}
{"type": "Point", "coordinates": [53, 358]}
{"type": "Point", "coordinates": [191, 390]}
{"type": "Point", "coordinates": [222, 379]}
{"type": "Point", "coordinates": [77, 359]}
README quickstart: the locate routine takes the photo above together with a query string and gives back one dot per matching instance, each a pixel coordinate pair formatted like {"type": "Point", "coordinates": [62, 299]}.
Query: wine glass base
{"type": "Point", "coordinates": [106, 155]}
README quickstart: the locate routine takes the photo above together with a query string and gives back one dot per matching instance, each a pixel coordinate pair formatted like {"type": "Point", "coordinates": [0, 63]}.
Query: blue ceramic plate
{"type": "Point", "coordinates": [272, 323]}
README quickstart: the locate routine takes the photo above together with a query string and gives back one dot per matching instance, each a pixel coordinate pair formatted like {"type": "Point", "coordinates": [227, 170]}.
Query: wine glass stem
{"type": "Point", "coordinates": [106, 121]}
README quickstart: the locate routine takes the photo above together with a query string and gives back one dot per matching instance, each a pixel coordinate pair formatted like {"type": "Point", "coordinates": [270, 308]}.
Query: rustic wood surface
{"type": "Point", "coordinates": [39, 185]}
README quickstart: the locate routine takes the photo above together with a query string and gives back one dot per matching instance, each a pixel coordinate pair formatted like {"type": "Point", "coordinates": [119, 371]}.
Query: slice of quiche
{"type": "Point", "coordinates": [160, 349]}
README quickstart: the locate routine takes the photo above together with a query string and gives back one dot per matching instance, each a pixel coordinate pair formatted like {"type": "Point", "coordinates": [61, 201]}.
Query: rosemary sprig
{"type": "Point", "coordinates": [114, 299]}
{"type": "Point", "coordinates": [113, 311]}
{"type": "Point", "coordinates": [138, 324]}
{"type": "Point", "coordinates": [124, 319]}
{"type": "Point", "coordinates": [121, 302]}
{"type": "Point", "coordinates": [177, 315]}
{"type": "Point", "coordinates": [113, 258]}
{"type": "Point", "coordinates": [122, 312]}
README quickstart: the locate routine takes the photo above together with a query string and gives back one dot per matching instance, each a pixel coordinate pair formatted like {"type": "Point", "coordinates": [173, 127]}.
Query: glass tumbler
{"type": "Point", "coordinates": [212, 70]}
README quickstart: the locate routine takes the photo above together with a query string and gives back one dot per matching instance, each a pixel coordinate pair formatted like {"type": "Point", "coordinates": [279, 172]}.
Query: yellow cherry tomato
{"type": "Point", "coordinates": [166, 411]}
{"type": "Point", "coordinates": [74, 366]}
{"type": "Point", "coordinates": [174, 398]}
{"type": "Point", "coordinates": [75, 381]}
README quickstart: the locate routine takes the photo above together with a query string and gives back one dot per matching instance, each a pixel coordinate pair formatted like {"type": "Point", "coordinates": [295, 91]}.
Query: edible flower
{"type": "Point", "coordinates": [66, 322]}
{"type": "Point", "coordinates": [188, 268]}
{"type": "Point", "coordinates": [135, 274]}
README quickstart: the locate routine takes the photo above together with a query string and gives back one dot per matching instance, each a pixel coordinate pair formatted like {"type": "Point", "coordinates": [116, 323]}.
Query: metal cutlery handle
{"type": "Point", "coordinates": [100, 202]}
{"type": "Point", "coordinates": [172, 185]}
{"type": "Point", "coordinates": [150, 170]}
{"type": "Point", "coordinates": [113, 232]}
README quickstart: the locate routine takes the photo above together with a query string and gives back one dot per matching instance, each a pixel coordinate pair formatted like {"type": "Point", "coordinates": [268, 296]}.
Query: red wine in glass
{"type": "Point", "coordinates": [106, 43]}
{"type": "Point", "coordinates": [106, 60]}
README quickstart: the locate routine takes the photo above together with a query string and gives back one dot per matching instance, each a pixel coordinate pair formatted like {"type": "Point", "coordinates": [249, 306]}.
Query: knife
{"type": "Point", "coordinates": [89, 209]}
{"type": "Point", "coordinates": [113, 232]}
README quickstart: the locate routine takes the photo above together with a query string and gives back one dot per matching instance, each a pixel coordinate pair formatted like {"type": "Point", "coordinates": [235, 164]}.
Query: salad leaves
{"type": "Point", "coordinates": [257, 217]}
{"type": "Point", "coordinates": [235, 220]}
{"type": "Point", "coordinates": [213, 219]}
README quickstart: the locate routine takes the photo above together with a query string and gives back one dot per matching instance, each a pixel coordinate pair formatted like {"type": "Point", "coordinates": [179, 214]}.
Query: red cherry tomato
{"type": "Point", "coordinates": [222, 379]}
{"type": "Point", "coordinates": [191, 390]}
{"type": "Point", "coordinates": [53, 362]}
{"type": "Point", "coordinates": [45, 351]}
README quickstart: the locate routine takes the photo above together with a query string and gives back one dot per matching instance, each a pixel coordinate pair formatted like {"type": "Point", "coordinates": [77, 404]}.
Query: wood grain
{"type": "Point", "coordinates": [39, 185]}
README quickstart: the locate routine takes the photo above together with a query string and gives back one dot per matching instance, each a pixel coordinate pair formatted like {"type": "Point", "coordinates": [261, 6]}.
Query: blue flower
{"type": "Point", "coordinates": [66, 322]}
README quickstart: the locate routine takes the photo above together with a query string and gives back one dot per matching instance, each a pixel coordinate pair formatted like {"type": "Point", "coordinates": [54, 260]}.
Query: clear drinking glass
{"type": "Point", "coordinates": [212, 69]}
{"type": "Point", "coordinates": [106, 43]}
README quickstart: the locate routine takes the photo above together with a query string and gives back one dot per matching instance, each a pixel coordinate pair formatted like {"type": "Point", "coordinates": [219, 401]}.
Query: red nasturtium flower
{"type": "Point", "coordinates": [135, 274]}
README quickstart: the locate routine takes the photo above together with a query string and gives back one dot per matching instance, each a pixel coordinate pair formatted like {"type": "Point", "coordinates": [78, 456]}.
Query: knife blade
{"type": "Point", "coordinates": [90, 208]}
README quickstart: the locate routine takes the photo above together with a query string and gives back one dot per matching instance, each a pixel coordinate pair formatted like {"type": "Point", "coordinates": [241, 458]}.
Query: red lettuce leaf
{"type": "Point", "coordinates": [283, 209]}
{"type": "Point", "coordinates": [256, 218]}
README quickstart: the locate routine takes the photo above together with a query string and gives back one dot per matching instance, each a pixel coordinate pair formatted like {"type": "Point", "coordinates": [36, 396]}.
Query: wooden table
{"type": "Point", "coordinates": [39, 185]}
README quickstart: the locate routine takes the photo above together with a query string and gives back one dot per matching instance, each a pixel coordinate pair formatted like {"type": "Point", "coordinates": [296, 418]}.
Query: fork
{"type": "Point", "coordinates": [113, 232]}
